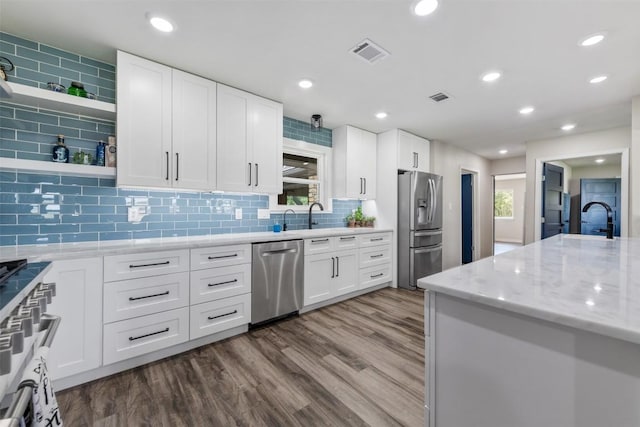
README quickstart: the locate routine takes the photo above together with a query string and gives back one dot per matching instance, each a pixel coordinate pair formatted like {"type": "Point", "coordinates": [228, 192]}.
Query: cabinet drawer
{"type": "Point", "coordinates": [139, 297]}
{"type": "Point", "coordinates": [134, 337]}
{"type": "Point", "coordinates": [133, 266]}
{"type": "Point", "coordinates": [346, 242]}
{"type": "Point", "coordinates": [318, 245]}
{"type": "Point", "coordinates": [374, 239]}
{"type": "Point", "coordinates": [220, 256]}
{"type": "Point", "coordinates": [216, 316]}
{"type": "Point", "coordinates": [376, 275]}
{"type": "Point", "coordinates": [216, 283]}
{"type": "Point", "coordinates": [375, 256]}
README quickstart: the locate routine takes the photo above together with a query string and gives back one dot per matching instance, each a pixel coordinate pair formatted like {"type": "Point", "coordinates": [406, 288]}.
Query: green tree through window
{"type": "Point", "coordinates": [503, 204]}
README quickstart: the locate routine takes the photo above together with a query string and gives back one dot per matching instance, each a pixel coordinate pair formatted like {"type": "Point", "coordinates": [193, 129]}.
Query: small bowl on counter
{"type": "Point", "coordinates": [56, 87]}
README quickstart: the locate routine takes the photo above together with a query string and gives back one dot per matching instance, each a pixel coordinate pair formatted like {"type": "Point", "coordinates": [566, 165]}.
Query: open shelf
{"type": "Point", "coordinates": [50, 100]}
{"type": "Point", "coordinates": [61, 168]}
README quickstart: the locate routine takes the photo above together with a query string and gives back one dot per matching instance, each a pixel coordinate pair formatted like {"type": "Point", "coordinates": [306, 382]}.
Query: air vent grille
{"type": "Point", "coordinates": [439, 97]}
{"type": "Point", "coordinates": [369, 51]}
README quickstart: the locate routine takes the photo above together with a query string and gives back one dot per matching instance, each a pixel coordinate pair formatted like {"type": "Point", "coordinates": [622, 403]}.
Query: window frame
{"type": "Point", "coordinates": [323, 155]}
{"type": "Point", "coordinates": [506, 190]}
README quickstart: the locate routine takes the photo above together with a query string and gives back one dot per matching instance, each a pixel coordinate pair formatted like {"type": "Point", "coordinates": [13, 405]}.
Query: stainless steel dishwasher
{"type": "Point", "coordinates": [277, 274]}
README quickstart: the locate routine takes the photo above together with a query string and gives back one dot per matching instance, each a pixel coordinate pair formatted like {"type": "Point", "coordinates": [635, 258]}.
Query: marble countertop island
{"type": "Point", "coordinates": [586, 282]}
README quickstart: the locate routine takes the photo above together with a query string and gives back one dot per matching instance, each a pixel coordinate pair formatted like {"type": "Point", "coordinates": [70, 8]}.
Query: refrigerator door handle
{"type": "Point", "coordinates": [427, 233]}
{"type": "Point", "coordinates": [428, 249]}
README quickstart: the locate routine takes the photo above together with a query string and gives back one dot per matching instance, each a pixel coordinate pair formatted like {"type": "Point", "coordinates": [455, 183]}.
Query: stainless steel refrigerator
{"type": "Point", "coordinates": [419, 226]}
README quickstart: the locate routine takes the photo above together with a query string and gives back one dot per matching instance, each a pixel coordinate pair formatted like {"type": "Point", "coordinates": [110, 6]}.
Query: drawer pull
{"type": "Point", "coordinates": [222, 256]}
{"type": "Point", "coordinates": [319, 240]}
{"type": "Point", "coordinates": [222, 283]}
{"type": "Point", "coordinates": [377, 239]}
{"type": "Point", "coordinates": [150, 265]}
{"type": "Point", "coordinates": [376, 256]}
{"type": "Point", "coordinates": [148, 335]}
{"type": "Point", "coordinates": [377, 275]}
{"type": "Point", "coordinates": [222, 315]}
{"type": "Point", "coordinates": [348, 238]}
{"type": "Point", "coordinates": [148, 296]}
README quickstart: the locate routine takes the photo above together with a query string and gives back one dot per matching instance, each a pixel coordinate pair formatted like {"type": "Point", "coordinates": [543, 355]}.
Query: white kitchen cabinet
{"type": "Point", "coordinates": [375, 259]}
{"type": "Point", "coordinates": [354, 163]}
{"type": "Point", "coordinates": [166, 126]}
{"type": "Point", "coordinates": [249, 140]}
{"type": "Point", "coordinates": [78, 343]}
{"type": "Point", "coordinates": [346, 279]}
{"type": "Point", "coordinates": [413, 152]}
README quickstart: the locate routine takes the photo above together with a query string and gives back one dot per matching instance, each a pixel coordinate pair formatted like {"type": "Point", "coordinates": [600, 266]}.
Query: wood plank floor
{"type": "Point", "coordinates": [355, 363]}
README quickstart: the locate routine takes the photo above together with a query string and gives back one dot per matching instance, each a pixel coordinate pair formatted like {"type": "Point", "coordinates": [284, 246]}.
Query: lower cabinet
{"type": "Point", "coordinates": [78, 300]}
{"type": "Point", "coordinates": [219, 315]}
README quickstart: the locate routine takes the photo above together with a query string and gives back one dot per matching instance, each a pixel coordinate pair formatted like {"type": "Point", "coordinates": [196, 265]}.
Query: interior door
{"type": "Point", "coordinates": [605, 190]}
{"type": "Point", "coordinates": [467, 217]}
{"type": "Point", "coordinates": [552, 199]}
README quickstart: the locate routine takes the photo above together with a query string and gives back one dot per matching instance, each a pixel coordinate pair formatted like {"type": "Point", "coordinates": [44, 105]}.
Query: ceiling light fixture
{"type": "Point", "coordinates": [161, 24]}
{"type": "Point", "coordinates": [381, 115]}
{"type": "Point", "coordinates": [592, 39]}
{"type": "Point", "coordinates": [526, 110]}
{"type": "Point", "coordinates": [491, 76]}
{"type": "Point", "coordinates": [503, 151]}
{"type": "Point", "coordinates": [425, 7]}
{"type": "Point", "coordinates": [316, 122]}
{"type": "Point", "coordinates": [598, 79]}
{"type": "Point", "coordinates": [599, 161]}
{"type": "Point", "coordinates": [305, 84]}
{"type": "Point", "coordinates": [568, 127]}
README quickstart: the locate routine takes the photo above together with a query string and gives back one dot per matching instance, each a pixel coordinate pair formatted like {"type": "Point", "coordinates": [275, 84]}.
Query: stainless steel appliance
{"type": "Point", "coordinates": [277, 275]}
{"type": "Point", "coordinates": [419, 226]}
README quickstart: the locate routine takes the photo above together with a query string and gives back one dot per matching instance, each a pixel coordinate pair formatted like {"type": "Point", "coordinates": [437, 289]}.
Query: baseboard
{"type": "Point", "coordinates": [519, 242]}
{"type": "Point", "coordinates": [344, 297]}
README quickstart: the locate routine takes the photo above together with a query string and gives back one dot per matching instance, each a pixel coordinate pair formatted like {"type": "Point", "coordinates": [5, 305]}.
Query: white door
{"type": "Point", "coordinates": [368, 160]}
{"type": "Point", "coordinates": [346, 279]}
{"type": "Point", "coordinates": [144, 122]}
{"type": "Point", "coordinates": [319, 274]}
{"type": "Point", "coordinates": [194, 132]}
{"type": "Point", "coordinates": [406, 153]}
{"type": "Point", "coordinates": [233, 168]}
{"type": "Point", "coordinates": [77, 346]}
{"type": "Point", "coordinates": [421, 148]}
{"type": "Point", "coordinates": [266, 145]}
{"type": "Point", "coordinates": [354, 166]}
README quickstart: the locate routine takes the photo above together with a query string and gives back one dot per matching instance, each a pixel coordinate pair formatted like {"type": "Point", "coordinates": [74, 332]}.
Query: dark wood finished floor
{"type": "Point", "coordinates": [356, 363]}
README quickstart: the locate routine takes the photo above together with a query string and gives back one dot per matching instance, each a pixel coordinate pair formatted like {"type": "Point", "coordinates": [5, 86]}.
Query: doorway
{"type": "Point", "coordinates": [466, 208]}
{"type": "Point", "coordinates": [509, 194]}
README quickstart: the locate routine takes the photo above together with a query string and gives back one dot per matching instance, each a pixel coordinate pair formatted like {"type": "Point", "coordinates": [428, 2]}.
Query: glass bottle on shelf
{"type": "Point", "coordinates": [60, 151]}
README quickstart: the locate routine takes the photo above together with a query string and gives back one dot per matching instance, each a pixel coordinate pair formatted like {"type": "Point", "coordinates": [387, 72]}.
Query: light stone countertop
{"type": "Point", "coordinates": [52, 252]}
{"type": "Point", "coordinates": [586, 282]}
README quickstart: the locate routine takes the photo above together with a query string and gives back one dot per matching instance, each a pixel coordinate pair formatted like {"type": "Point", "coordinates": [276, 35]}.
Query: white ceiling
{"type": "Point", "coordinates": [266, 46]}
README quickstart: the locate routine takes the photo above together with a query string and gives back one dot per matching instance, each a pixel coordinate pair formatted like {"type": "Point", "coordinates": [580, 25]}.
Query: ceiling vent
{"type": "Point", "coordinates": [439, 97]}
{"type": "Point", "coordinates": [369, 51]}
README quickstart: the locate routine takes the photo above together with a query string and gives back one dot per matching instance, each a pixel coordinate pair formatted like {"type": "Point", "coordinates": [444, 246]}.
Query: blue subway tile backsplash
{"type": "Point", "coordinates": [40, 208]}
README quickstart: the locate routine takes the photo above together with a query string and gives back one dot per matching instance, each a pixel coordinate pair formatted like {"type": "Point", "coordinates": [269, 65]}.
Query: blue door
{"type": "Point", "coordinates": [467, 218]}
{"type": "Point", "coordinates": [552, 199]}
{"type": "Point", "coordinates": [605, 190]}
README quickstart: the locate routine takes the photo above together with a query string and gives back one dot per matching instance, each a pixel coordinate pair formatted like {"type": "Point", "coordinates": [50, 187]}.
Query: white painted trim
{"type": "Point", "coordinates": [624, 182]}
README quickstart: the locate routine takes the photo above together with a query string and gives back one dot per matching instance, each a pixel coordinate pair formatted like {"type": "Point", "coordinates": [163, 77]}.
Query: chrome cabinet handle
{"type": "Point", "coordinates": [167, 176]}
{"type": "Point", "coordinates": [377, 275]}
{"type": "Point", "coordinates": [361, 185]}
{"type": "Point", "coordinates": [222, 283]}
{"type": "Point", "coordinates": [149, 265]}
{"type": "Point", "coordinates": [148, 296]}
{"type": "Point", "coordinates": [177, 165]}
{"type": "Point", "coordinates": [222, 315]}
{"type": "Point", "coordinates": [365, 185]}
{"type": "Point", "coordinates": [337, 266]}
{"type": "Point", "coordinates": [257, 175]}
{"type": "Point", "coordinates": [249, 175]}
{"type": "Point", "coordinates": [333, 267]}
{"type": "Point", "coordinates": [149, 335]}
{"type": "Point", "coordinates": [222, 256]}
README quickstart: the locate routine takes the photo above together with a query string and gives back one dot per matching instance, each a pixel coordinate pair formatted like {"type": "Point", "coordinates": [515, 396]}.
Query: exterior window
{"type": "Point", "coordinates": [305, 177]}
{"type": "Point", "coordinates": [503, 204]}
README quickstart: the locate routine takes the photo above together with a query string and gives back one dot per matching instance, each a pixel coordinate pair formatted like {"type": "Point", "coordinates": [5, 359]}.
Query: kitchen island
{"type": "Point", "coordinates": [544, 335]}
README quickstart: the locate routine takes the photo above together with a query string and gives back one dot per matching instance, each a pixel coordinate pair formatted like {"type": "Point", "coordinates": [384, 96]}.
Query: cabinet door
{"type": "Point", "coordinates": [421, 147]}
{"type": "Point", "coordinates": [406, 154]}
{"type": "Point", "coordinates": [144, 122]}
{"type": "Point", "coordinates": [355, 167]}
{"type": "Point", "coordinates": [233, 168]}
{"type": "Point", "coordinates": [346, 273]}
{"type": "Point", "coordinates": [265, 136]}
{"type": "Point", "coordinates": [368, 162]}
{"type": "Point", "coordinates": [77, 346]}
{"type": "Point", "coordinates": [319, 273]}
{"type": "Point", "coordinates": [193, 158]}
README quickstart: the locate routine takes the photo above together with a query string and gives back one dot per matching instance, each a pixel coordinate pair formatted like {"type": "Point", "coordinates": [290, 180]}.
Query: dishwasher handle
{"type": "Point", "coordinates": [280, 252]}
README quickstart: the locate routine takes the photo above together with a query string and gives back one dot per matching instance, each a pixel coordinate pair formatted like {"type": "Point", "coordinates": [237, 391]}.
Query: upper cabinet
{"type": "Point", "coordinates": [249, 142]}
{"type": "Point", "coordinates": [413, 152]}
{"type": "Point", "coordinates": [354, 163]}
{"type": "Point", "coordinates": [166, 126]}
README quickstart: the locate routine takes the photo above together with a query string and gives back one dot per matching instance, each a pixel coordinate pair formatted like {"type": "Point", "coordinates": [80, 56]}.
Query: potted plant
{"type": "Point", "coordinates": [351, 221]}
{"type": "Point", "coordinates": [370, 220]}
{"type": "Point", "coordinates": [358, 216]}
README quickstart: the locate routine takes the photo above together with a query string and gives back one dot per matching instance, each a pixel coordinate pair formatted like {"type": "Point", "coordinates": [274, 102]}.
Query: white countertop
{"type": "Point", "coordinates": [52, 252]}
{"type": "Point", "coordinates": [586, 282]}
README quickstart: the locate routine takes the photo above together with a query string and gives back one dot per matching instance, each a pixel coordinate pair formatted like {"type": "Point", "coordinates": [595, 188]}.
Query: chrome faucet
{"type": "Point", "coordinates": [310, 209]}
{"type": "Point", "coordinates": [609, 229]}
{"type": "Point", "coordinates": [284, 219]}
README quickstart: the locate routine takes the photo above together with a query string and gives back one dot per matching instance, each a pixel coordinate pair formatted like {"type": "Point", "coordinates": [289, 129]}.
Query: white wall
{"type": "Point", "coordinates": [509, 165]}
{"type": "Point", "coordinates": [511, 229]}
{"type": "Point", "coordinates": [595, 171]}
{"type": "Point", "coordinates": [572, 146]}
{"type": "Point", "coordinates": [635, 168]}
{"type": "Point", "coordinates": [448, 161]}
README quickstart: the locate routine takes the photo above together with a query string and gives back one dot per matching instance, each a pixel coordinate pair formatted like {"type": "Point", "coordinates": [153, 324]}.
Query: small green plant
{"type": "Point", "coordinates": [358, 216]}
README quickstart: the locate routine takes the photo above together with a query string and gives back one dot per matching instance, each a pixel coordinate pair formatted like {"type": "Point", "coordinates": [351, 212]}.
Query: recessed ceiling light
{"type": "Point", "coordinates": [161, 24]}
{"type": "Point", "coordinates": [425, 7]}
{"type": "Point", "coordinates": [381, 115]}
{"type": "Point", "coordinates": [503, 151]}
{"type": "Point", "coordinates": [491, 76]}
{"type": "Point", "coordinates": [568, 127]}
{"type": "Point", "coordinates": [592, 39]}
{"type": "Point", "coordinates": [598, 79]}
{"type": "Point", "coordinates": [526, 110]}
{"type": "Point", "coordinates": [599, 160]}
{"type": "Point", "coordinates": [305, 84]}
{"type": "Point", "coordinates": [590, 302]}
